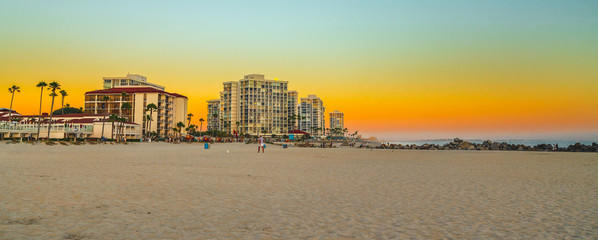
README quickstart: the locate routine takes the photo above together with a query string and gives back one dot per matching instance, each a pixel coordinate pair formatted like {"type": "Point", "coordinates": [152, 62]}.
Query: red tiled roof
{"type": "Point", "coordinates": [80, 120]}
{"type": "Point", "coordinates": [298, 132]}
{"type": "Point", "coordinates": [108, 121]}
{"type": "Point", "coordinates": [6, 110]}
{"type": "Point", "coordinates": [70, 115]}
{"type": "Point", "coordinates": [63, 121]}
{"type": "Point", "coordinates": [133, 90]}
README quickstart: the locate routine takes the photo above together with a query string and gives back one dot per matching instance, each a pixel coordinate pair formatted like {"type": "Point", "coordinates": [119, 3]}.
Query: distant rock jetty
{"type": "Point", "coordinates": [458, 144]}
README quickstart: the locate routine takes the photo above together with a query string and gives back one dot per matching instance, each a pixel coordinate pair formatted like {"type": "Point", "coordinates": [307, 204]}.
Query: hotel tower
{"type": "Point", "coordinates": [311, 110]}
{"type": "Point", "coordinates": [172, 107]}
{"type": "Point", "coordinates": [293, 109]}
{"type": "Point", "coordinates": [253, 105]}
{"type": "Point", "coordinates": [337, 120]}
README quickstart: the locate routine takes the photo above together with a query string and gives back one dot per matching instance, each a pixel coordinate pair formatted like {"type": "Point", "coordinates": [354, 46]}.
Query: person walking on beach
{"type": "Point", "coordinates": [260, 144]}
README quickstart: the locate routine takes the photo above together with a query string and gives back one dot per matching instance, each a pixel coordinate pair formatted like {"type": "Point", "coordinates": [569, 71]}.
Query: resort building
{"type": "Point", "coordinates": [213, 114]}
{"type": "Point", "coordinates": [5, 113]}
{"type": "Point", "coordinates": [311, 110]}
{"type": "Point", "coordinates": [253, 105]}
{"type": "Point", "coordinates": [65, 126]}
{"type": "Point", "coordinates": [131, 80]}
{"type": "Point", "coordinates": [337, 120]}
{"type": "Point", "coordinates": [171, 107]}
{"type": "Point", "coordinates": [293, 109]}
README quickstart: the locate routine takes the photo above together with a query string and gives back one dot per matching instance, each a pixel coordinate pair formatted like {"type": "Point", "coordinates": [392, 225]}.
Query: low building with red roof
{"type": "Point", "coordinates": [81, 125]}
{"type": "Point", "coordinates": [130, 96]}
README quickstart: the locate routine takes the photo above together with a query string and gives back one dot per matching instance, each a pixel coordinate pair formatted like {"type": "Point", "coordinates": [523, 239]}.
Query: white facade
{"type": "Point", "coordinates": [337, 120]}
{"type": "Point", "coordinates": [253, 105]}
{"type": "Point", "coordinates": [131, 80]}
{"type": "Point", "coordinates": [172, 107]}
{"type": "Point", "coordinates": [213, 114]}
{"type": "Point", "coordinates": [67, 126]}
{"type": "Point", "coordinates": [311, 110]}
{"type": "Point", "coordinates": [293, 109]}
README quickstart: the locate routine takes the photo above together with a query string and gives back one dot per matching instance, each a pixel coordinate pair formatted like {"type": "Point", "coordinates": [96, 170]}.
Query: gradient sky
{"type": "Point", "coordinates": [397, 69]}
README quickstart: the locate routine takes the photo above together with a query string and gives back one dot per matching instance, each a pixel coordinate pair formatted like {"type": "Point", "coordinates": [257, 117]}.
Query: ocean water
{"type": "Point", "coordinates": [561, 143]}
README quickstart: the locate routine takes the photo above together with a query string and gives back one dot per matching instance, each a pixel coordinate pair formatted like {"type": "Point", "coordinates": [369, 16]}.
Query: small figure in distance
{"type": "Point", "coordinates": [260, 144]}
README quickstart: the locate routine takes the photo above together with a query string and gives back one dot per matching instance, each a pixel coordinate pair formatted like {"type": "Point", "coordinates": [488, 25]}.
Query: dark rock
{"type": "Point", "coordinates": [465, 145]}
{"type": "Point", "coordinates": [495, 146]}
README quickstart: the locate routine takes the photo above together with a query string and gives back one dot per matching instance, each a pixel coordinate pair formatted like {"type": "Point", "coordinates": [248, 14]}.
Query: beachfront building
{"type": "Point", "coordinates": [337, 123]}
{"type": "Point", "coordinates": [253, 105]}
{"type": "Point", "coordinates": [311, 110]}
{"type": "Point", "coordinates": [213, 114]}
{"type": "Point", "coordinates": [171, 107]}
{"type": "Point", "coordinates": [293, 109]}
{"type": "Point", "coordinates": [5, 113]}
{"type": "Point", "coordinates": [131, 80]}
{"type": "Point", "coordinates": [337, 120]}
{"type": "Point", "coordinates": [78, 125]}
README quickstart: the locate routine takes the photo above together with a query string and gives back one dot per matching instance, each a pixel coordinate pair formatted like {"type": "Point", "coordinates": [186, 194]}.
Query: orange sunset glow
{"type": "Point", "coordinates": [396, 70]}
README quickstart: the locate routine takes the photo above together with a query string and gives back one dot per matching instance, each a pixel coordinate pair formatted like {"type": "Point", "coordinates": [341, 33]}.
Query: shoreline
{"type": "Point", "coordinates": [456, 144]}
{"type": "Point", "coordinates": [182, 191]}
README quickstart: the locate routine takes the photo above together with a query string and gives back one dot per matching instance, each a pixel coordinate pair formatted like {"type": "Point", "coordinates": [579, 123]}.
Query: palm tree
{"type": "Point", "coordinates": [123, 95]}
{"type": "Point", "coordinates": [113, 118]}
{"type": "Point", "coordinates": [299, 118]}
{"type": "Point", "coordinates": [180, 126]}
{"type": "Point", "coordinates": [214, 119]}
{"type": "Point", "coordinates": [148, 118]}
{"type": "Point", "coordinates": [189, 119]}
{"type": "Point", "coordinates": [174, 130]}
{"type": "Point", "coordinates": [225, 125]}
{"type": "Point", "coordinates": [125, 107]}
{"type": "Point", "coordinates": [40, 85]}
{"type": "Point", "coordinates": [200, 125]}
{"type": "Point", "coordinates": [52, 87]}
{"type": "Point", "coordinates": [151, 108]}
{"type": "Point", "coordinates": [121, 129]}
{"type": "Point", "coordinates": [291, 121]}
{"type": "Point", "coordinates": [105, 99]}
{"type": "Point", "coordinates": [64, 94]}
{"type": "Point", "coordinates": [191, 131]}
{"type": "Point", "coordinates": [12, 91]}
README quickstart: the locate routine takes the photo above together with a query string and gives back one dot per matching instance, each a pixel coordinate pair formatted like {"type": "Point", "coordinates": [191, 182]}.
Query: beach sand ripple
{"type": "Point", "coordinates": [166, 191]}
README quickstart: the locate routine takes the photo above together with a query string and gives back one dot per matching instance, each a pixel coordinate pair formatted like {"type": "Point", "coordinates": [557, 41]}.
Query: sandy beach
{"type": "Point", "coordinates": [182, 191]}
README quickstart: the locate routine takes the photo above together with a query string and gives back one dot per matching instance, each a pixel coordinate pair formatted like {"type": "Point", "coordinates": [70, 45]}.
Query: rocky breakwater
{"type": "Point", "coordinates": [459, 144]}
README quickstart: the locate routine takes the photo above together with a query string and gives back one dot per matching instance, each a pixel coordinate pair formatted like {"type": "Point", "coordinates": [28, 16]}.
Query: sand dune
{"type": "Point", "coordinates": [181, 191]}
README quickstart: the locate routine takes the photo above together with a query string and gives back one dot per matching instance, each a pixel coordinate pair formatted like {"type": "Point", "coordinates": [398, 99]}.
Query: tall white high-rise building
{"type": "Point", "coordinates": [293, 110]}
{"type": "Point", "coordinates": [213, 114]}
{"type": "Point", "coordinates": [337, 120]}
{"type": "Point", "coordinates": [311, 110]}
{"type": "Point", "coordinates": [253, 105]}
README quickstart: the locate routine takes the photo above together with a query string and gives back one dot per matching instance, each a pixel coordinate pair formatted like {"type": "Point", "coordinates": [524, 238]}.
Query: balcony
{"type": "Point", "coordinates": [13, 127]}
